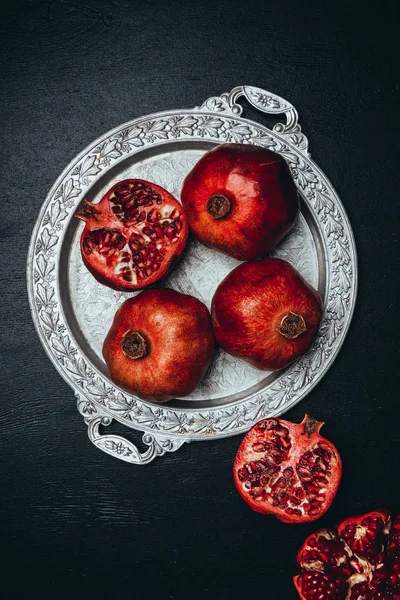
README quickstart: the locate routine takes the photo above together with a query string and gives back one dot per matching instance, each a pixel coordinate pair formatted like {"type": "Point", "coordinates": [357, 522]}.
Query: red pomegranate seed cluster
{"type": "Point", "coordinates": [358, 561]}
{"type": "Point", "coordinates": [287, 469]}
{"type": "Point", "coordinates": [133, 234]}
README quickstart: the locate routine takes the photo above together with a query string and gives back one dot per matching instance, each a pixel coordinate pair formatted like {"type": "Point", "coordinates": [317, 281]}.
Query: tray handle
{"type": "Point", "coordinates": [118, 446]}
{"type": "Point", "coordinates": [266, 102]}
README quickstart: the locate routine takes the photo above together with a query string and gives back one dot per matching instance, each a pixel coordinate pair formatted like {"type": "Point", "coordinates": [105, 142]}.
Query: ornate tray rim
{"type": "Point", "coordinates": [99, 401]}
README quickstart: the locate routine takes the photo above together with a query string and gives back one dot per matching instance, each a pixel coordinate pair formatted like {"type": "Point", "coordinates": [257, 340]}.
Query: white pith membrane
{"type": "Point", "coordinates": [144, 228]}
{"type": "Point", "coordinates": [333, 569]}
{"type": "Point", "coordinates": [275, 471]}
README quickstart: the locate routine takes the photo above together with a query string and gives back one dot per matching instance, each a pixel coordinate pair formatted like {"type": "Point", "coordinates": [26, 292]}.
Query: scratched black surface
{"type": "Point", "coordinates": [74, 520]}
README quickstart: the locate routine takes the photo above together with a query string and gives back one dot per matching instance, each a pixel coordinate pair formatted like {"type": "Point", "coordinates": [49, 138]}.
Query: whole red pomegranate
{"type": "Point", "coordinates": [160, 344]}
{"type": "Point", "coordinates": [265, 313]}
{"type": "Point", "coordinates": [133, 235]}
{"type": "Point", "coordinates": [358, 561]}
{"type": "Point", "coordinates": [287, 470]}
{"type": "Point", "coordinates": [240, 199]}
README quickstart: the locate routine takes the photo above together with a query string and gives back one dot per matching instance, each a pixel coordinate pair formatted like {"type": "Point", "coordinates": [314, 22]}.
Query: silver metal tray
{"type": "Point", "coordinates": [72, 312]}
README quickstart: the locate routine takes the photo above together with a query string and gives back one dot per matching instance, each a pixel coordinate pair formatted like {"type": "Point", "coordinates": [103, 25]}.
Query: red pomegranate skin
{"type": "Point", "coordinates": [180, 344]}
{"type": "Point", "coordinates": [263, 199]}
{"type": "Point", "coordinates": [252, 310]}
{"type": "Point", "coordinates": [133, 235]}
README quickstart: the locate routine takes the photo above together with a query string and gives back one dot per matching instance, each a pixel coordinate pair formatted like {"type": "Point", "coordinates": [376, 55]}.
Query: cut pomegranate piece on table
{"type": "Point", "coordinates": [240, 199]}
{"type": "Point", "coordinates": [133, 235]}
{"type": "Point", "coordinates": [288, 470]}
{"type": "Point", "coordinates": [365, 535]}
{"type": "Point", "coordinates": [358, 561]}
{"type": "Point", "coordinates": [160, 344]}
{"type": "Point", "coordinates": [320, 586]}
{"type": "Point", "coordinates": [265, 313]}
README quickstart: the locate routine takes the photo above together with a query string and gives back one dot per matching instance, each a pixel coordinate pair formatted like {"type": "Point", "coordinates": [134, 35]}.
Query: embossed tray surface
{"type": "Point", "coordinates": [73, 312]}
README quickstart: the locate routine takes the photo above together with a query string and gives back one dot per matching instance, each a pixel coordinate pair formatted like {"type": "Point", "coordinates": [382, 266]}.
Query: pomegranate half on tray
{"type": "Point", "coordinates": [133, 236]}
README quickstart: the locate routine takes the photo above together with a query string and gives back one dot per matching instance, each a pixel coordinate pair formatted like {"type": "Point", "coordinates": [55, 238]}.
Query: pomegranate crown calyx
{"type": "Point", "coordinates": [134, 345]}
{"type": "Point", "coordinates": [87, 210]}
{"type": "Point", "coordinates": [292, 326]}
{"type": "Point", "coordinates": [311, 425]}
{"type": "Point", "coordinates": [218, 206]}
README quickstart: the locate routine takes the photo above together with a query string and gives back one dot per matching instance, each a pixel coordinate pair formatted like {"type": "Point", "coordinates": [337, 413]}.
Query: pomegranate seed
{"type": "Point", "coordinates": [111, 256]}
{"type": "Point", "coordinates": [87, 248]}
{"type": "Point", "coordinates": [256, 495]}
{"type": "Point", "coordinates": [314, 510]}
{"type": "Point", "coordinates": [131, 213]}
{"type": "Point", "coordinates": [264, 479]}
{"type": "Point", "coordinates": [272, 471]}
{"type": "Point", "coordinates": [169, 230]}
{"type": "Point", "coordinates": [178, 225]}
{"type": "Point", "coordinates": [306, 458]}
{"type": "Point", "coordinates": [103, 240]}
{"type": "Point", "coordinates": [259, 447]}
{"type": "Point", "coordinates": [154, 215]}
{"type": "Point", "coordinates": [121, 190]}
{"type": "Point", "coordinates": [252, 467]}
{"type": "Point", "coordinates": [148, 231]}
{"type": "Point", "coordinates": [136, 241]}
{"type": "Point", "coordinates": [300, 493]}
{"type": "Point", "coordinates": [295, 501]}
{"type": "Point", "coordinates": [262, 425]}
{"type": "Point", "coordinates": [136, 258]}
{"type": "Point", "coordinates": [158, 231]}
{"type": "Point", "coordinates": [285, 497]}
{"type": "Point", "coordinates": [288, 472]}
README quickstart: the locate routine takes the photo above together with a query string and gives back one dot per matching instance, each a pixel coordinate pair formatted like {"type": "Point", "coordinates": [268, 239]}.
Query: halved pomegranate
{"type": "Point", "coordinates": [358, 561]}
{"type": "Point", "coordinates": [133, 235]}
{"type": "Point", "coordinates": [160, 344]}
{"type": "Point", "coordinates": [287, 470]}
{"type": "Point", "coordinates": [240, 199]}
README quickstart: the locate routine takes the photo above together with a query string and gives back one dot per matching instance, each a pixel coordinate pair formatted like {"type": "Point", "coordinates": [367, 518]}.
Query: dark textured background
{"type": "Point", "coordinates": [74, 520]}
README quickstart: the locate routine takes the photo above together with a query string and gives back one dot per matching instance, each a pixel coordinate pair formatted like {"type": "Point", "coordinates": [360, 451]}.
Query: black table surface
{"type": "Point", "coordinates": [76, 521]}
